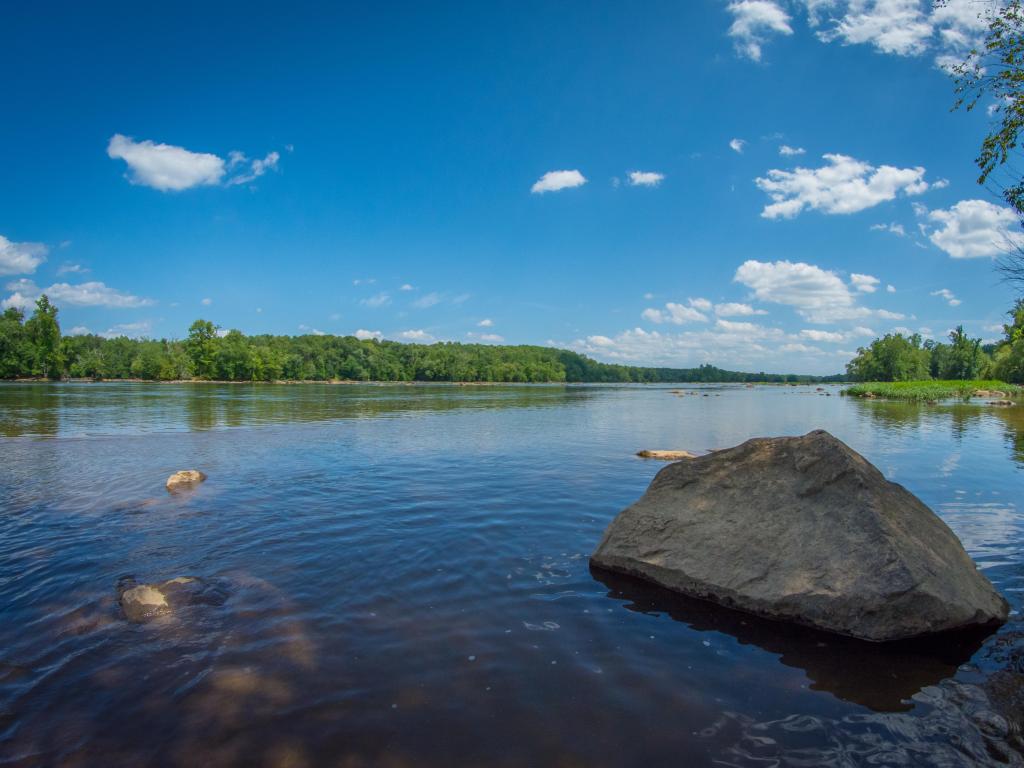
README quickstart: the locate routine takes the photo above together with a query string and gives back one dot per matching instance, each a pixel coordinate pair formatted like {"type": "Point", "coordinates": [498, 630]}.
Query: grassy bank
{"type": "Point", "coordinates": [935, 390]}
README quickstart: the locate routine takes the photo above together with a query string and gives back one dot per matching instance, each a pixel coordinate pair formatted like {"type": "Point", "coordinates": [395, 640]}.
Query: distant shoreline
{"type": "Point", "coordinates": [354, 382]}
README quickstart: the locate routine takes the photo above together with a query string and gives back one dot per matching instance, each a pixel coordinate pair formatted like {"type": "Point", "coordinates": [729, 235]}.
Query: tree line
{"type": "Point", "coordinates": [35, 348]}
{"type": "Point", "coordinates": [899, 357]}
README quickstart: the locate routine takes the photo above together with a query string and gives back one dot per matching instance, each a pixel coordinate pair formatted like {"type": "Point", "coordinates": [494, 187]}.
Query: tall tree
{"type": "Point", "coordinates": [201, 346]}
{"type": "Point", "coordinates": [44, 335]}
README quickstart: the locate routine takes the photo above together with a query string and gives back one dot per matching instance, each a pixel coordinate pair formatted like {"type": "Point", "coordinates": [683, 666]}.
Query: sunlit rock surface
{"type": "Point", "coordinates": [802, 529]}
{"type": "Point", "coordinates": [184, 480]}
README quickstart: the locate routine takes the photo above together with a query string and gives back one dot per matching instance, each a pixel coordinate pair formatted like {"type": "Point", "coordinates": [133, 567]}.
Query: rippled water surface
{"type": "Point", "coordinates": [407, 583]}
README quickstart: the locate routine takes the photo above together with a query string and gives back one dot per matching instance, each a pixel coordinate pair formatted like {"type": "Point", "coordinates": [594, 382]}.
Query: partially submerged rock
{"type": "Point", "coordinates": [143, 602]}
{"type": "Point", "coordinates": [802, 529]}
{"type": "Point", "coordinates": [1000, 402]}
{"type": "Point", "coordinates": [184, 480]}
{"type": "Point", "coordinates": [666, 455]}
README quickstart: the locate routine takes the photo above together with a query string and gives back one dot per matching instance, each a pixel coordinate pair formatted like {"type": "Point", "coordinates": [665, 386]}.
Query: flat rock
{"type": "Point", "coordinates": [802, 529]}
{"type": "Point", "coordinates": [666, 455]}
{"type": "Point", "coordinates": [184, 480]}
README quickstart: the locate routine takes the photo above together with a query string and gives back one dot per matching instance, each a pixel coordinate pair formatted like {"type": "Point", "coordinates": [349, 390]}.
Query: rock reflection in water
{"type": "Point", "coordinates": [881, 676]}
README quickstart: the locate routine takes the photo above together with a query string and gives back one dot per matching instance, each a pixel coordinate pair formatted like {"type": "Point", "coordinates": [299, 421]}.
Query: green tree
{"type": "Point", "coordinates": [201, 346]}
{"type": "Point", "coordinates": [15, 349]}
{"type": "Point", "coordinates": [965, 359]}
{"type": "Point", "coordinates": [44, 336]}
{"type": "Point", "coordinates": [894, 357]}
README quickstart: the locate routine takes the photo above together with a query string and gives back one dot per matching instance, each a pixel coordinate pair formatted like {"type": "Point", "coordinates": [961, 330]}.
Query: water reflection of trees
{"type": "Point", "coordinates": [880, 676]}
{"type": "Point", "coordinates": [51, 409]}
{"type": "Point", "coordinates": [960, 417]}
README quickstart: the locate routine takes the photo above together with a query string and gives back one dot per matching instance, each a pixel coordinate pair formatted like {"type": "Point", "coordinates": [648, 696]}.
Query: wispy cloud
{"type": "Point", "coordinates": [645, 178]}
{"type": "Point", "coordinates": [90, 294]}
{"type": "Point", "coordinates": [753, 22]}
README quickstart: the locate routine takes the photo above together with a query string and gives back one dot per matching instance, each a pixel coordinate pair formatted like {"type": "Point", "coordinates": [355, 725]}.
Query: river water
{"type": "Point", "coordinates": [405, 582]}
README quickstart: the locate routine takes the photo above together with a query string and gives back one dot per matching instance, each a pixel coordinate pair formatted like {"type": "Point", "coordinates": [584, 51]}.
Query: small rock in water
{"type": "Point", "coordinates": [184, 480]}
{"type": "Point", "coordinates": [666, 455]}
{"type": "Point", "coordinates": [143, 602]}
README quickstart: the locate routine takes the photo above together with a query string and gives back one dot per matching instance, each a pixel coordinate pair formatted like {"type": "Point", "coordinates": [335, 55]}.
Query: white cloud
{"type": "Point", "coordinates": [940, 184]}
{"type": "Point", "coordinates": [171, 169]}
{"type": "Point", "coordinates": [313, 331]}
{"type": "Point", "coordinates": [735, 309]}
{"type": "Point", "coordinates": [78, 330]}
{"type": "Point", "coordinates": [844, 185]}
{"type": "Point", "coordinates": [949, 30]}
{"type": "Point", "coordinates": [894, 228]}
{"type": "Point", "coordinates": [864, 283]}
{"type": "Point", "coordinates": [817, 294]}
{"type": "Point", "coordinates": [74, 269]}
{"type": "Point", "coordinates": [256, 168]}
{"type": "Point", "coordinates": [20, 258]}
{"type": "Point", "coordinates": [890, 289]}
{"type": "Point", "coordinates": [93, 294]}
{"type": "Point", "coordinates": [362, 334]}
{"type": "Point", "coordinates": [645, 178]}
{"type": "Point", "coordinates": [552, 181]}
{"type": "Point", "coordinates": [491, 337]}
{"type": "Point", "coordinates": [485, 323]}
{"type": "Point", "coordinates": [90, 294]}
{"type": "Point", "coordinates": [166, 167]}
{"type": "Point", "coordinates": [948, 295]}
{"type": "Point", "coordinates": [816, 335]}
{"type": "Point", "coordinates": [975, 229]}
{"type": "Point", "coordinates": [736, 145]}
{"type": "Point", "coordinates": [206, 302]}
{"type": "Point", "coordinates": [860, 330]}
{"type": "Point", "coordinates": [674, 313]}
{"type": "Point", "coordinates": [377, 300]}
{"type": "Point", "coordinates": [892, 26]}
{"type": "Point", "coordinates": [753, 22]}
{"type": "Point", "coordinates": [737, 344]}
{"type": "Point", "coordinates": [994, 328]}
{"type": "Point", "coordinates": [416, 335]}
{"type": "Point", "coordinates": [796, 284]}
{"type": "Point", "coordinates": [702, 304]}
{"type": "Point", "coordinates": [427, 301]}
{"type": "Point", "coordinates": [365, 281]}
{"type": "Point", "coordinates": [801, 348]}
{"type": "Point", "coordinates": [406, 287]}
{"type": "Point", "coordinates": [733, 326]}
{"type": "Point", "coordinates": [131, 330]}
{"type": "Point", "coordinates": [787, 151]}
{"type": "Point", "coordinates": [905, 27]}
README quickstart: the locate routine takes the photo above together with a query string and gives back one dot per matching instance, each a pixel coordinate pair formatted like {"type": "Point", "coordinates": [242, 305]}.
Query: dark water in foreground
{"type": "Point", "coordinates": [407, 580]}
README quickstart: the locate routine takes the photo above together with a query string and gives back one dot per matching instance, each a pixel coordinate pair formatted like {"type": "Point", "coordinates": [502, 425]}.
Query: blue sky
{"type": "Point", "coordinates": [463, 172]}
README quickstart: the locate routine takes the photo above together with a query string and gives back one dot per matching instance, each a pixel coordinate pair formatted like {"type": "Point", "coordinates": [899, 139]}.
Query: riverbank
{"type": "Point", "coordinates": [936, 390]}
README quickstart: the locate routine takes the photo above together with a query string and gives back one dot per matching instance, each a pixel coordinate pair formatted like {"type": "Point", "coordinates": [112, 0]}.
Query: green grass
{"type": "Point", "coordinates": [934, 390]}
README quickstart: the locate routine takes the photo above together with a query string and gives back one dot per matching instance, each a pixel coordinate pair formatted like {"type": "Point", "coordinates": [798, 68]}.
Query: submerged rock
{"type": "Point", "coordinates": [142, 602]}
{"type": "Point", "coordinates": [666, 455]}
{"type": "Point", "coordinates": [184, 480]}
{"type": "Point", "coordinates": [802, 529]}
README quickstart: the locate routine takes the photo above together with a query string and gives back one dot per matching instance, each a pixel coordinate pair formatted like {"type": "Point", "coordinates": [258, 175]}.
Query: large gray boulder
{"type": "Point", "coordinates": [802, 529]}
